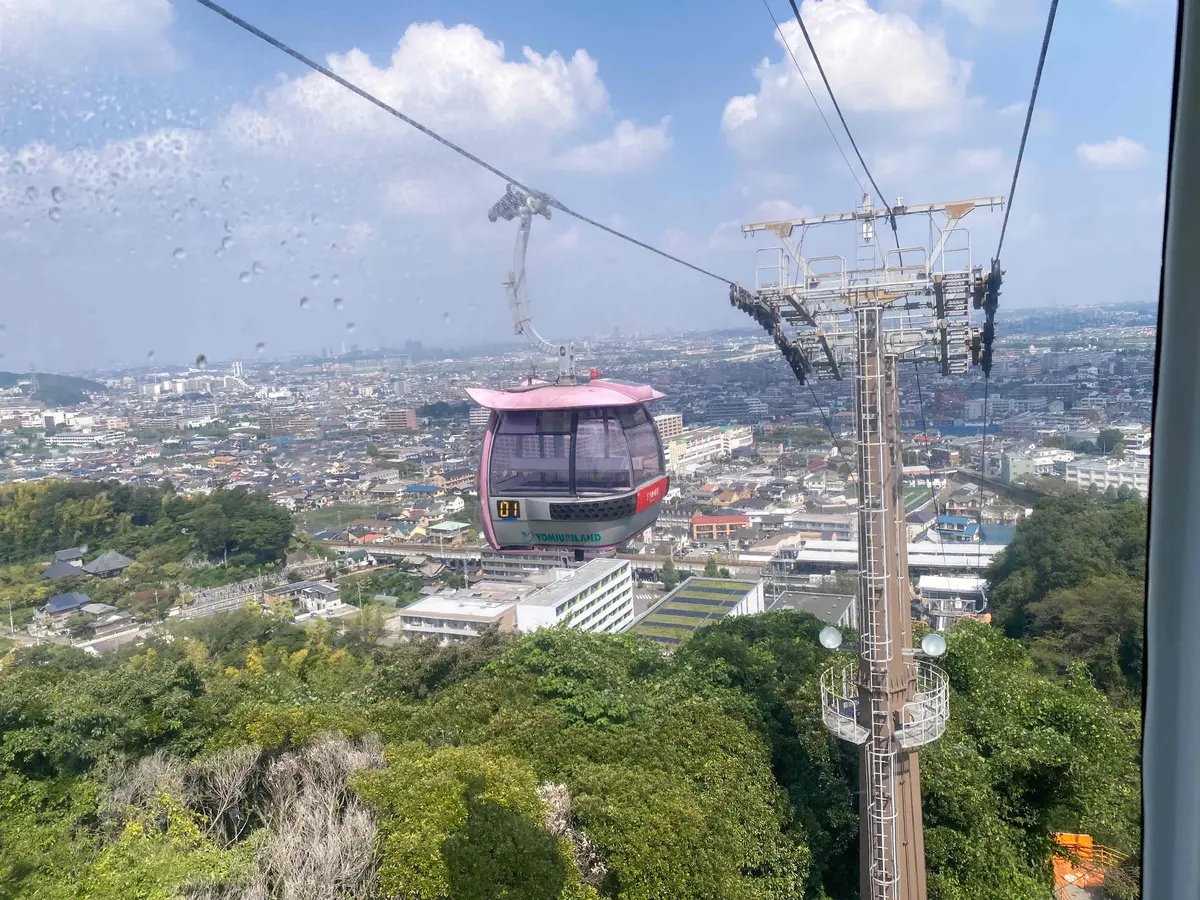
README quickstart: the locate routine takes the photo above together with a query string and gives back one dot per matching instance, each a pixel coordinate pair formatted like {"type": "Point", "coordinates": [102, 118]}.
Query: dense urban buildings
{"type": "Point", "coordinates": [376, 456]}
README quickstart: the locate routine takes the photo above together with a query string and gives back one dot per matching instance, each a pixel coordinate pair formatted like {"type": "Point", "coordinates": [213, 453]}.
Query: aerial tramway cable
{"type": "Point", "coordinates": [993, 294]}
{"type": "Point", "coordinates": [350, 86]}
{"type": "Point", "coordinates": [540, 195]}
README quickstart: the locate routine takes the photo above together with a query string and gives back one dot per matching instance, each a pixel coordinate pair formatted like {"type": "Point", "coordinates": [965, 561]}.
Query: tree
{"type": "Point", "coordinates": [1070, 585]}
{"type": "Point", "coordinates": [372, 450]}
{"type": "Point", "coordinates": [711, 569]}
{"type": "Point", "coordinates": [465, 823]}
{"type": "Point", "coordinates": [1110, 440]}
{"type": "Point", "coordinates": [669, 575]}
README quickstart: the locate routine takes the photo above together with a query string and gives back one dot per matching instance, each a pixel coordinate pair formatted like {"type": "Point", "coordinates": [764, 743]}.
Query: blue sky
{"type": "Point", "coordinates": [675, 122]}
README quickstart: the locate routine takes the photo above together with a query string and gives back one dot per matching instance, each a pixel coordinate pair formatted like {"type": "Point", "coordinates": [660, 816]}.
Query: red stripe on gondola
{"type": "Point", "coordinates": [651, 494]}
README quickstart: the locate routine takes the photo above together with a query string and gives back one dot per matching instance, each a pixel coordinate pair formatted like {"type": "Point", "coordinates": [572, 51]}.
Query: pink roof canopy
{"type": "Point", "coordinates": [565, 396]}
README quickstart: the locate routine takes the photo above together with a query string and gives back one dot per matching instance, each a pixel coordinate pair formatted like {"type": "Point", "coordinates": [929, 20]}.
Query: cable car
{"type": "Point", "coordinates": [569, 465]}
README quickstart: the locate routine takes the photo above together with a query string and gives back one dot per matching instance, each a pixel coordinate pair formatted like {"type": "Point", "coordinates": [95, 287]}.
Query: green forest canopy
{"type": "Point", "coordinates": [243, 531]}
{"type": "Point", "coordinates": [707, 774]}
{"type": "Point", "coordinates": [1071, 585]}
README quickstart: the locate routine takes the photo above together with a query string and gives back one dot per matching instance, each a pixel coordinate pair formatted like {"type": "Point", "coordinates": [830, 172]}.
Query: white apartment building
{"type": "Point", "coordinates": [456, 616]}
{"type": "Point", "coordinates": [85, 439]}
{"type": "Point", "coordinates": [1106, 473]}
{"type": "Point", "coordinates": [478, 417]}
{"type": "Point", "coordinates": [696, 446]}
{"type": "Point", "coordinates": [598, 596]}
{"type": "Point", "coordinates": [669, 425]}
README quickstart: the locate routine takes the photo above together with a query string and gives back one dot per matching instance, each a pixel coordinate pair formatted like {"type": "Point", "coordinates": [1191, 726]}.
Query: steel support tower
{"type": "Point", "coordinates": [834, 320]}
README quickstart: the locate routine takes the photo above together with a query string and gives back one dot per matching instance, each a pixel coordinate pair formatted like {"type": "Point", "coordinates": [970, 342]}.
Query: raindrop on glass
{"type": "Point", "coordinates": [225, 183]}
{"type": "Point", "coordinates": [201, 361]}
{"type": "Point", "coordinates": [257, 268]}
{"type": "Point", "coordinates": [337, 302]}
{"type": "Point", "coordinates": [244, 277]}
{"type": "Point", "coordinates": [228, 227]}
{"type": "Point", "coordinates": [18, 167]}
{"type": "Point", "coordinates": [260, 347]}
{"type": "Point", "coordinates": [333, 246]}
{"type": "Point", "coordinates": [177, 215]}
{"type": "Point", "coordinates": [349, 326]}
{"type": "Point", "coordinates": [446, 317]}
{"type": "Point", "coordinates": [179, 253]}
{"type": "Point", "coordinates": [313, 218]}
{"type": "Point", "coordinates": [31, 192]}
{"type": "Point", "coordinates": [57, 194]}
{"type": "Point", "coordinates": [316, 279]}
{"type": "Point", "coordinates": [336, 279]}
{"type": "Point", "coordinates": [226, 242]}
{"type": "Point", "coordinates": [304, 303]}
{"type": "Point", "coordinates": [150, 356]}
{"type": "Point", "coordinates": [55, 214]}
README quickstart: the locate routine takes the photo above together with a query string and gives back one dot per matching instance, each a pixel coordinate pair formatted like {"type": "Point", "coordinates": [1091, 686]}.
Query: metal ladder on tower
{"type": "Point", "coordinates": [876, 651]}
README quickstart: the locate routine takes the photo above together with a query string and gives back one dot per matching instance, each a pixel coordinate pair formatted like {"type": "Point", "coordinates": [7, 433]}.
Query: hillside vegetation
{"type": "Point", "coordinates": [248, 758]}
{"type": "Point", "coordinates": [241, 756]}
{"type": "Point", "coordinates": [55, 390]}
{"type": "Point", "coordinates": [223, 537]}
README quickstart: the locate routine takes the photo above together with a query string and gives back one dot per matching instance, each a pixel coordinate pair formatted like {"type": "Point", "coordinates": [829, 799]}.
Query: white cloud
{"type": "Point", "coordinates": [60, 32]}
{"type": "Point", "coordinates": [878, 62]}
{"type": "Point", "coordinates": [982, 159]}
{"type": "Point", "coordinates": [452, 79]}
{"type": "Point", "coordinates": [1119, 153]}
{"type": "Point", "coordinates": [991, 13]}
{"type": "Point", "coordinates": [776, 210]}
{"type": "Point", "coordinates": [630, 147]}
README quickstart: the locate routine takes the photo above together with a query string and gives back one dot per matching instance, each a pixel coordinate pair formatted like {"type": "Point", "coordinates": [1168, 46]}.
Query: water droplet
{"type": "Point", "coordinates": [179, 253]}
{"type": "Point", "coordinates": [150, 356]}
{"type": "Point", "coordinates": [313, 218]}
{"type": "Point", "coordinates": [18, 167]}
{"type": "Point", "coordinates": [337, 302]}
{"type": "Point", "coordinates": [31, 192]}
{"type": "Point", "coordinates": [257, 268]}
{"type": "Point", "coordinates": [333, 246]}
{"type": "Point", "coordinates": [177, 215]}
{"type": "Point", "coordinates": [283, 243]}
{"type": "Point", "coordinates": [57, 194]}
{"type": "Point", "coordinates": [446, 317]}
{"type": "Point", "coordinates": [349, 326]}
{"type": "Point", "coordinates": [260, 347]}
{"type": "Point", "coordinates": [228, 227]}
{"type": "Point", "coordinates": [55, 213]}
{"type": "Point", "coordinates": [304, 303]}
{"type": "Point", "coordinates": [226, 242]}
{"type": "Point", "coordinates": [201, 361]}
{"type": "Point", "coordinates": [336, 279]}
{"type": "Point", "coordinates": [420, 300]}
{"type": "Point", "coordinates": [225, 183]}
{"type": "Point", "coordinates": [316, 279]}
{"type": "Point", "coordinates": [244, 277]}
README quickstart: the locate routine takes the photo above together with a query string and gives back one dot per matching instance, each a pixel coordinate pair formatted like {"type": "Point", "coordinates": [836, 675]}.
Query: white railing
{"type": "Point", "coordinates": [839, 703]}
{"type": "Point", "coordinates": [925, 716]}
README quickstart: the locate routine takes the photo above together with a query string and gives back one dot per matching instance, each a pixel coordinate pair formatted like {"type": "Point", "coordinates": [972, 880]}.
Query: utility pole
{"type": "Point", "coordinates": [832, 320]}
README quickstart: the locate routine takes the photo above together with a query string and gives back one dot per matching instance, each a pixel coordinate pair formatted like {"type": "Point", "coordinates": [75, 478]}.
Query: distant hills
{"type": "Point", "coordinates": [55, 390]}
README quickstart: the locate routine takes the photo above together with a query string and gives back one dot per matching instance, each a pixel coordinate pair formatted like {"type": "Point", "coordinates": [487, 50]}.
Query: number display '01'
{"type": "Point", "coordinates": [508, 509]}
